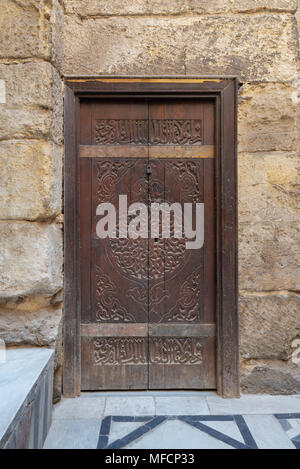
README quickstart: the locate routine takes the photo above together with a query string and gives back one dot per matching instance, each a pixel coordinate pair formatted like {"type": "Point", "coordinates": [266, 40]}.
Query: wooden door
{"type": "Point", "coordinates": [147, 304]}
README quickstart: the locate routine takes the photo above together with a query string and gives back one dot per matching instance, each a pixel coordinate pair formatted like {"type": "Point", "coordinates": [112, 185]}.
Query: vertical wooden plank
{"type": "Point", "coordinates": [177, 285]}
{"type": "Point", "coordinates": [71, 375]}
{"type": "Point", "coordinates": [85, 128]}
{"type": "Point", "coordinates": [115, 270]}
{"type": "Point", "coordinates": [229, 323]}
{"type": "Point", "coordinates": [209, 313]}
{"type": "Point", "coordinates": [85, 237]}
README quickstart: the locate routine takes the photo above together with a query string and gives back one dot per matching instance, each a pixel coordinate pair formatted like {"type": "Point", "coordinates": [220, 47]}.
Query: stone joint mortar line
{"type": "Point", "coordinates": [269, 293]}
{"type": "Point", "coordinates": [186, 14]}
{"type": "Point", "coordinates": [30, 59]}
{"type": "Point", "coordinates": [104, 407]}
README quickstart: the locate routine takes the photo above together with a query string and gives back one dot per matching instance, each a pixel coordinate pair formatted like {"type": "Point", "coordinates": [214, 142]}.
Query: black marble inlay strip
{"type": "Point", "coordinates": [287, 416]}
{"type": "Point", "coordinates": [105, 426]}
{"type": "Point", "coordinates": [297, 438]}
{"type": "Point", "coordinates": [118, 444]}
{"type": "Point", "coordinates": [102, 442]}
{"type": "Point", "coordinates": [135, 434]}
{"type": "Point", "coordinates": [143, 419]}
{"type": "Point", "coordinates": [154, 422]}
{"type": "Point", "coordinates": [218, 435]}
{"type": "Point", "coordinates": [129, 438]}
{"type": "Point", "coordinates": [296, 443]}
{"type": "Point", "coordinates": [150, 422]}
{"type": "Point", "coordinates": [206, 418]}
{"type": "Point", "coordinates": [245, 432]}
{"type": "Point", "coordinates": [122, 418]}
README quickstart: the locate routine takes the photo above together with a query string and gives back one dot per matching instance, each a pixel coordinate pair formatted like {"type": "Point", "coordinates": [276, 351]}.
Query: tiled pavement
{"type": "Point", "coordinates": [175, 420]}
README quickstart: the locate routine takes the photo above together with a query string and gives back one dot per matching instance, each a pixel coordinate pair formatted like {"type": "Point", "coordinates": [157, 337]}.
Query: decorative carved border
{"type": "Point", "coordinates": [133, 351]}
{"type": "Point", "coordinates": [144, 131]}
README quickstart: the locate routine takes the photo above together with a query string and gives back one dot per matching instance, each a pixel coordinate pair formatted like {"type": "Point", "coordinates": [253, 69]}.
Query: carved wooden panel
{"type": "Point", "coordinates": [144, 131]}
{"type": "Point", "coordinates": [133, 350]}
{"type": "Point", "coordinates": [182, 363]}
{"type": "Point", "coordinates": [121, 131]}
{"type": "Point", "coordinates": [175, 351]}
{"type": "Point", "coordinates": [119, 265]}
{"type": "Point", "coordinates": [114, 363]}
{"type": "Point", "coordinates": [109, 175]}
{"type": "Point", "coordinates": [175, 131]}
{"type": "Point", "coordinates": [129, 285]}
{"type": "Point", "coordinates": [178, 274]}
{"type": "Point", "coordinates": [120, 351]}
{"type": "Point", "coordinates": [108, 305]}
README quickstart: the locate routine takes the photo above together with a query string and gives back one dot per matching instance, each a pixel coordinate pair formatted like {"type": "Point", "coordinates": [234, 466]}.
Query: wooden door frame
{"type": "Point", "coordinates": [224, 91]}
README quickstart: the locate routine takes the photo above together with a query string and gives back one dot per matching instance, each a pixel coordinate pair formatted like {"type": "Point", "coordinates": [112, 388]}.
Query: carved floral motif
{"type": "Point", "coordinates": [109, 174]}
{"type": "Point", "coordinates": [187, 307]}
{"type": "Point", "coordinates": [186, 173]}
{"type": "Point", "coordinates": [108, 307]}
{"type": "Point", "coordinates": [132, 260]}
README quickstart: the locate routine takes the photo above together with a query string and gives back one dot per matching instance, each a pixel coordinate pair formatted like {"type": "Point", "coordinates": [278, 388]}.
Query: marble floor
{"type": "Point", "coordinates": [175, 420]}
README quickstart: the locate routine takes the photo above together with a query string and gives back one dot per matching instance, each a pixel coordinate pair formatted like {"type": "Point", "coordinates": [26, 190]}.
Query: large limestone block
{"type": "Point", "coordinates": [57, 35]}
{"type": "Point", "coordinates": [24, 123]}
{"type": "Point", "coordinates": [128, 7]}
{"type": "Point", "coordinates": [31, 3]}
{"type": "Point", "coordinates": [23, 33]}
{"type": "Point", "coordinates": [269, 187]}
{"type": "Point", "coordinates": [34, 102]}
{"type": "Point", "coordinates": [269, 214]}
{"type": "Point", "coordinates": [268, 324]}
{"type": "Point", "coordinates": [57, 108]}
{"type": "Point", "coordinates": [39, 328]}
{"type": "Point", "coordinates": [103, 7]}
{"type": "Point", "coordinates": [269, 256]}
{"type": "Point", "coordinates": [31, 179]}
{"type": "Point", "coordinates": [298, 14]}
{"type": "Point", "coordinates": [86, 8]}
{"type": "Point", "coordinates": [261, 5]}
{"type": "Point", "coordinates": [30, 84]}
{"type": "Point", "coordinates": [124, 46]}
{"type": "Point", "coordinates": [267, 117]}
{"type": "Point", "coordinates": [270, 377]}
{"type": "Point", "coordinates": [30, 259]}
{"type": "Point", "coordinates": [254, 47]}
{"type": "Point", "coordinates": [32, 29]}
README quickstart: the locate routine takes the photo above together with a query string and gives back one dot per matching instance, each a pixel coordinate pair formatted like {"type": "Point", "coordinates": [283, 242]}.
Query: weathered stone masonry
{"type": "Point", "coordinates": [43, 40]}
{"type": "Point", "coordinates": [31, 157]}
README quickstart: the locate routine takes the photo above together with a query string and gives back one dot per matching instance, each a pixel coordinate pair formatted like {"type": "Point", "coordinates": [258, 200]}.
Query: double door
{"type": "Point", "coordinates": [148, 301]}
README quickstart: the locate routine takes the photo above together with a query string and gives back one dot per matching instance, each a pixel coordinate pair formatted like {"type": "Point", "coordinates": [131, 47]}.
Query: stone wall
{"type": "Point", "coordinates": [31, 156]}
{"type": "Point", "coordinates": [257, 40]}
